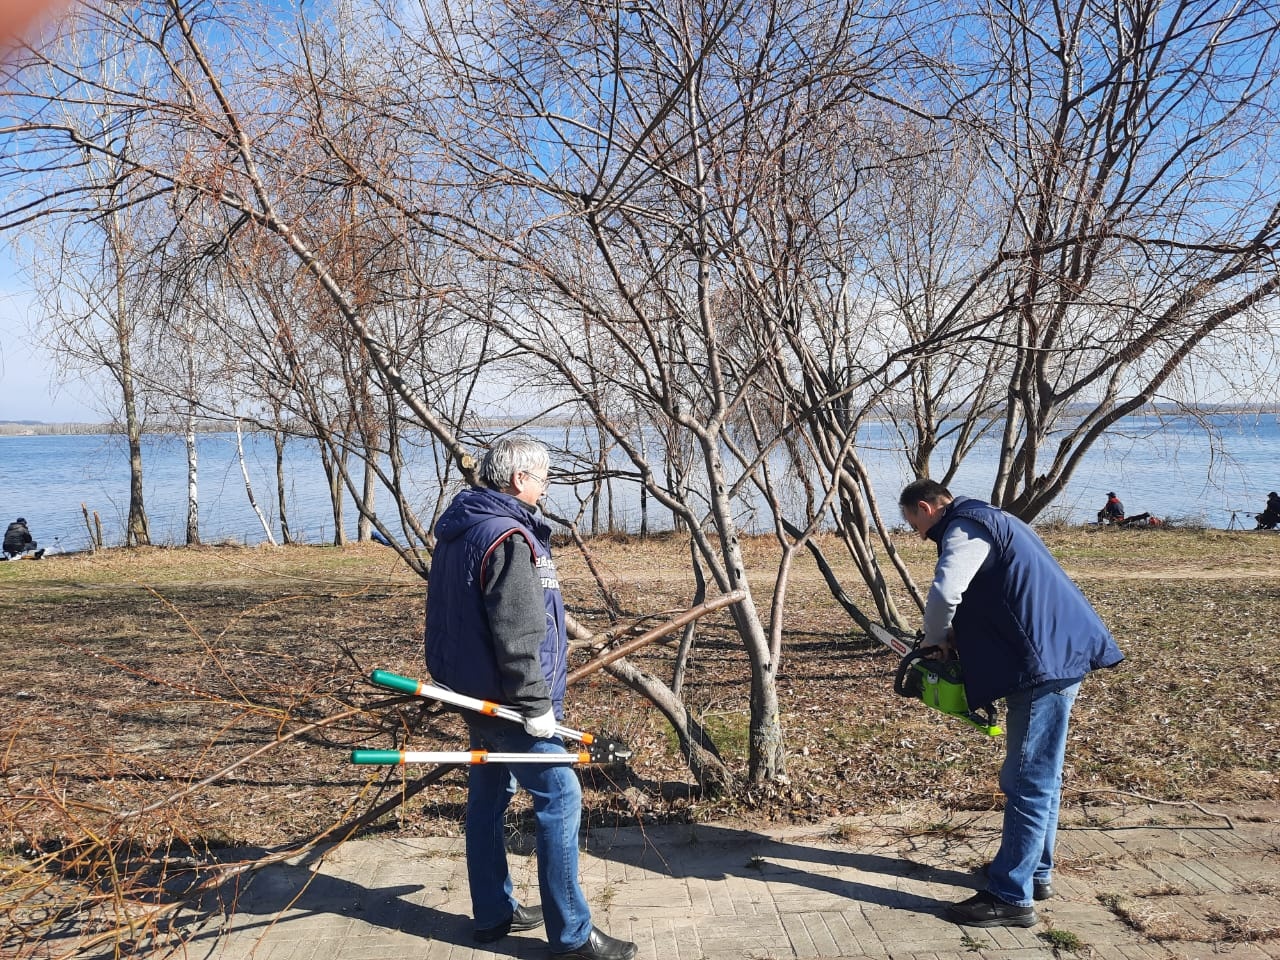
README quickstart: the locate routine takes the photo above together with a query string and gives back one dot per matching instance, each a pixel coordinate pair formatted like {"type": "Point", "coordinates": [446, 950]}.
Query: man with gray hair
{"type": "Point", "coordinates": [496, 631]}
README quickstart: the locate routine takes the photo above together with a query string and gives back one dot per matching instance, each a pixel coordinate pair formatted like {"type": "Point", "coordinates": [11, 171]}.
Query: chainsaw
{"type": "Point", "coordinates": [938, 683]}
{"type": "Point", "coordinates": [596, 749]}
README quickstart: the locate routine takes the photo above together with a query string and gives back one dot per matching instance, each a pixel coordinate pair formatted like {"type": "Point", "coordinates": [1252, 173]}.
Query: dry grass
{"type": "Point", "coordinates": [1156, 921]}
{"type": "Point", "coordinates": [1168, 921]}
{"type": "Point", "coordinates": [139, 658]}
{"type": "Point", "coordinates": [1243, 928]}
{"type": "Point", "coordinates": [132, 675]}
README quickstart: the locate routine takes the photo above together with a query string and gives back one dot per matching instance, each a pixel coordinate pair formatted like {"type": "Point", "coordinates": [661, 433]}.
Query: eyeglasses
{"type": "Point", "coordinates": [544, 482]}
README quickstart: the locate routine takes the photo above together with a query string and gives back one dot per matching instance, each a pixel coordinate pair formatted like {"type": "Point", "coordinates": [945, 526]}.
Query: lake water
{"type": "Point", "coordinates": [1168, 466]}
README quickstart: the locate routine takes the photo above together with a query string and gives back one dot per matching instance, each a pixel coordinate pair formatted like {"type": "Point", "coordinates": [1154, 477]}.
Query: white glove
{"type": "Point", "coordinates": [543, 725]}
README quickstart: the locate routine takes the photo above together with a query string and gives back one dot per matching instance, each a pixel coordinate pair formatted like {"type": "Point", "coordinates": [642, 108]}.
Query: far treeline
{"type": "Point", "coordinates": [38, 428]}
{"type": "Point", "coordinates": [715, 237]}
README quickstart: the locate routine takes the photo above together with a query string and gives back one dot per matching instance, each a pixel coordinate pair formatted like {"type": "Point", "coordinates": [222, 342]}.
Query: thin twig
{"type": "Point", "coordinates": [1083, 792]}
{"type": "Point", "coordinates": [219, 774]}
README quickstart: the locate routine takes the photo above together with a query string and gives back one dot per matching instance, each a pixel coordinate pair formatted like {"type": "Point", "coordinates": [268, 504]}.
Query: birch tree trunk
{"type": "Point", "coordinates": [248, 487]}
{"type": "Point", "coordinates": [368, 496]}
{"type": "Point", "coordinates": [193, 480]}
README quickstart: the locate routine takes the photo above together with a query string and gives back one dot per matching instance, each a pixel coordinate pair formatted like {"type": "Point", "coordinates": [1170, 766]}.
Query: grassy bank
{"type": "Point", "coordinates": [133, 674]}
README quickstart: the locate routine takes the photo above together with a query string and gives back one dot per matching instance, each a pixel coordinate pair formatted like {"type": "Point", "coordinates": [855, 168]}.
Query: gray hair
{"type": "Point", "coordinates": [512, 455]}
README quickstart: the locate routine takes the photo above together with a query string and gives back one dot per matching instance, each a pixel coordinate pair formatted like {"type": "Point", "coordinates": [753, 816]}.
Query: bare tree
{"type": "Point", "coordinates": [916, 271]}
{"type": "Point", "coordinates": [96, 290]}
{"type": "Point", "coordinates": [605, 163]}
{"type": "Point", "coordinates": [668, 225]}
{"type": "Point", "coordinates": [1130, 146]}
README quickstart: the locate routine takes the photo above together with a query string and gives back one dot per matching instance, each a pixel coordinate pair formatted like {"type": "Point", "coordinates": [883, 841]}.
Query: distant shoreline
{"type": "Point", "coordinates": [28, 428]}
{"type": "Point", "coordinates": [39, 428]}
{"type": "Point", "coordinates": [25, 428]}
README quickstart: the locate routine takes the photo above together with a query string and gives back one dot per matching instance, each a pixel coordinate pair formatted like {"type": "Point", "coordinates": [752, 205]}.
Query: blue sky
{"type": "Point", "coordinates": [30, 385]}
{"type": "Point", "coordinates": [30, 388]}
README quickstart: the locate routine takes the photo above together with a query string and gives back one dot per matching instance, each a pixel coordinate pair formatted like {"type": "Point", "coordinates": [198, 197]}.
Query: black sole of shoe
{"type": "Point", "coordinates": [1028, 921]}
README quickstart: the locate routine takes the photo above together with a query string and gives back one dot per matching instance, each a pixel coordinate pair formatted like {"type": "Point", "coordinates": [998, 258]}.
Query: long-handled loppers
{"type": "Point", "coordinates": [465, 756]}
{"type": "Point", "coordinates": [598, 750]}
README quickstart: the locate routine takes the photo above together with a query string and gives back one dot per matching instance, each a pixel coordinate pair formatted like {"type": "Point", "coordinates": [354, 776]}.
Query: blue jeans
{"type": "Point", "coordinates": [1031, 779]}
{"type": "Point", "coordinates": [557, 811]}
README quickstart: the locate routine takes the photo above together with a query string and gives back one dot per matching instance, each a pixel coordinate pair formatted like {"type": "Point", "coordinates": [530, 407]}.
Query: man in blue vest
{"type": "Point", "coordinates": [496, 630]}
{"type": "Point", "coordinates": [1022, 631]}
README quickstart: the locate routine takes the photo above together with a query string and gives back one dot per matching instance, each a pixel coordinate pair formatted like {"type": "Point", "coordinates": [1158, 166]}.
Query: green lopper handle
{"type": "Point", "coordinates": [393, 681]}
{"type": "Point", "coordinates": [376, 756]}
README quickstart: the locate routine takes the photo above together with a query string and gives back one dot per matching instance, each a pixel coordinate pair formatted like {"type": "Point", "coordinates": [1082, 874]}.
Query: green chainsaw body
{"type": "Point", "coordinates": [939, 684]}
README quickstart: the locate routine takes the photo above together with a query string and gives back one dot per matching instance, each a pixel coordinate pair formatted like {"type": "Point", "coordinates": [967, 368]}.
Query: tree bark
{"type": "Point", "coordinates": [248, 488]}
{"type": "Point", "coordinates": [136, 532]}
{"type": "Point", "coordinates": [193, 481]}
{"type": "Point", "coordinates": [278, 441]}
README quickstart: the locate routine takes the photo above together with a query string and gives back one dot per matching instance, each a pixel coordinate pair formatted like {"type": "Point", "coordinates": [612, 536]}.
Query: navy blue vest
{"type": "Point", "coordinates": [1022, 621]}
{"type": "Point", "coordinates": [459, 645]}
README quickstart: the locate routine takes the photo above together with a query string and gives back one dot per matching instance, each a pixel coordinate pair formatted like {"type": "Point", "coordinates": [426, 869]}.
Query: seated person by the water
{"type": "Point", "coordinates": [1112, 511]}
{"type": "Point", "coordinates": [1270, 515]}
{"type": "Point", "coordinates": [17, 541]}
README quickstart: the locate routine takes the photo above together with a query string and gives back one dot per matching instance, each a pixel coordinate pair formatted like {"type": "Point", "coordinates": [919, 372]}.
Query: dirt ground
{"type": "Point", "coordinates": [133, 675]}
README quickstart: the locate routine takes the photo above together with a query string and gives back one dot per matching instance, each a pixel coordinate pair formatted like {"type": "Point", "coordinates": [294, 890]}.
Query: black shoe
{"type": "Point", "coordinates": [1040, 889]}
{"type": "Point", "coordinates": [525, 918]}
{"type": "Point", "coordinates": [38, 554]}
{"type": "Point", "coordinates": [600, 946]}
{"type": "Point", "coordinates": [987, 910]}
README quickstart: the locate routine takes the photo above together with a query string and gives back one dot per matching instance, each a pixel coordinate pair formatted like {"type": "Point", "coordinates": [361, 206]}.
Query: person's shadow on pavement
{"type": "Point", "coordinates": [284, 896]}
{"type": "Point", "coordinates": [714, 853]}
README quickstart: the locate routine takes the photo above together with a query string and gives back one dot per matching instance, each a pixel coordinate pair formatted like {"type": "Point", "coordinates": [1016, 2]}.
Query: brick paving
{"type": "Point", "coordinates": [1138, 883]}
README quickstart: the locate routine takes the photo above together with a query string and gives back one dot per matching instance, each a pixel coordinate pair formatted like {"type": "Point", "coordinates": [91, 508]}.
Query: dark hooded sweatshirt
{"type": "Point", "coordinates": [17, 538]}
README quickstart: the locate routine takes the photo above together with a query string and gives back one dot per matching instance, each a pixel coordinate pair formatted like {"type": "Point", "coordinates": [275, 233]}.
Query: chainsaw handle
{"type": "Point", "coordinates": [906, 683]}
{"type": "Point", "coordinates": [918, 670]}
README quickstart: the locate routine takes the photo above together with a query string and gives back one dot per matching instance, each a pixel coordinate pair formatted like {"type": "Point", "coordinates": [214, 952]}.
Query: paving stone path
{"type": "Point", "coordinates": [1134, 883]}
